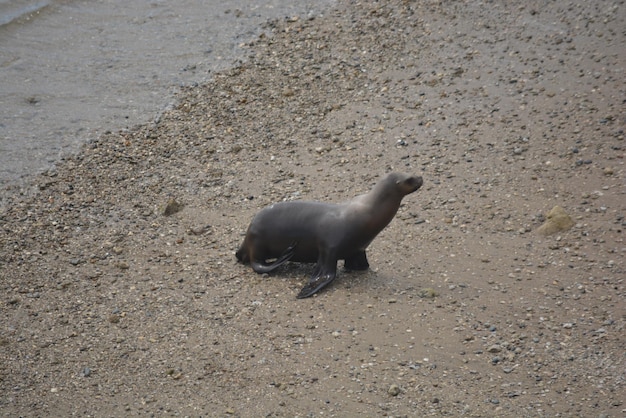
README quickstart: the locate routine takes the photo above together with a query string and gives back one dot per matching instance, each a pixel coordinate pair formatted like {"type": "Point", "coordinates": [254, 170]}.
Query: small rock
{"type": "Point", "coordinates": [557, 221]}
{"type": "Point", "coordinates": [427, 293]}
{"type": "Point", "coordinates": [123, 265]}
{"type": "Point", "coordinates": [199, 230]}
{"type": "Point", "coordinates": [171, 207]}
{"type": "Point", "coordinates": [494, 349]}
{"type": "Point", "coordinates": [394, 390]}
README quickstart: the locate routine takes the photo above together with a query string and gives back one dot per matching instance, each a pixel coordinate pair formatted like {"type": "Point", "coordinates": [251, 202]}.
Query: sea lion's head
{"type": "Point", "coordinates": [405, 183]}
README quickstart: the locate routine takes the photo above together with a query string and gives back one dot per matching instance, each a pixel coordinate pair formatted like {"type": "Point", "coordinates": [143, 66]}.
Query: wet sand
{"type": "Point", "coordinates": [76, 69]}
{"type": "Point", "coordinates": [111, 308]}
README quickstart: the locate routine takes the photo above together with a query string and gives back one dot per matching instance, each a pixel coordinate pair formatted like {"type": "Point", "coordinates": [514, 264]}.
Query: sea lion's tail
{"type": "Point", "coordinates": [241, 254]}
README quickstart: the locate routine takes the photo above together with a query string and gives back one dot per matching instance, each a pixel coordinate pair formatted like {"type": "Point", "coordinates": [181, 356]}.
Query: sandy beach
{"type": "Point", "coordinates": [112, 305]}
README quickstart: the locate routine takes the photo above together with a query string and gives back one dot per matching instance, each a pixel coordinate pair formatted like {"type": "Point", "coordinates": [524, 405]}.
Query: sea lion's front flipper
{"type": "Point", "coordinates": [357, 261]}
{"type": "Point", "coordinates": [322, 276]}
{"type": "Point", "coordinates": [315, 285]}
{"type": "Point", "coordinates": [260, 267]}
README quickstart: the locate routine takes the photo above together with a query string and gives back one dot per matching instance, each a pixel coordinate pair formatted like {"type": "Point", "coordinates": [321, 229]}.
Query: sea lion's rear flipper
{"type": "Point", "coordinates": [260, 267]}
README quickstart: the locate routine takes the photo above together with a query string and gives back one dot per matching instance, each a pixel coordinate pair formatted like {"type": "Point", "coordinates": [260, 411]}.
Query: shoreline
{"type": "Point", "coordinates": [12, 13]}
{"type": "Point", "coordinates": [72, 73]}
{"type": "Point", "coordinates": [111, 307]}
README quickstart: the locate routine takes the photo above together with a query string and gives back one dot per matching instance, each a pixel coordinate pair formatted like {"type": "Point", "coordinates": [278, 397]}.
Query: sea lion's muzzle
{"type": "Point", "coordinates": [414, 183]}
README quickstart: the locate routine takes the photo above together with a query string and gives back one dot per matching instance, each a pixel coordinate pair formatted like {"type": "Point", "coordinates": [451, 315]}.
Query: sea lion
{"type": "Point", "coordinates": [322, 233]}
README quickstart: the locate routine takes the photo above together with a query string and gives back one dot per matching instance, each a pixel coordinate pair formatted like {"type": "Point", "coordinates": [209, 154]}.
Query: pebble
{"type": "Point", "coordinates": [199, 230]}
{"type": "Point", "coordinates": [123, 265]}
{"type": "Point", "coordinates": [394, 390]}
{"type": "Point", "coordinates": [427, 293]}
{"type": "Point", "coordinates": [171, 207]}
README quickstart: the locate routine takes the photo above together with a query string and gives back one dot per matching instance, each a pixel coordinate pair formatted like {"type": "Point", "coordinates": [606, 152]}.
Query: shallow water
{"type": "Point", "coordinates": [13, 10]}
{"type": "Point", "coordinates": [70, 70]}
